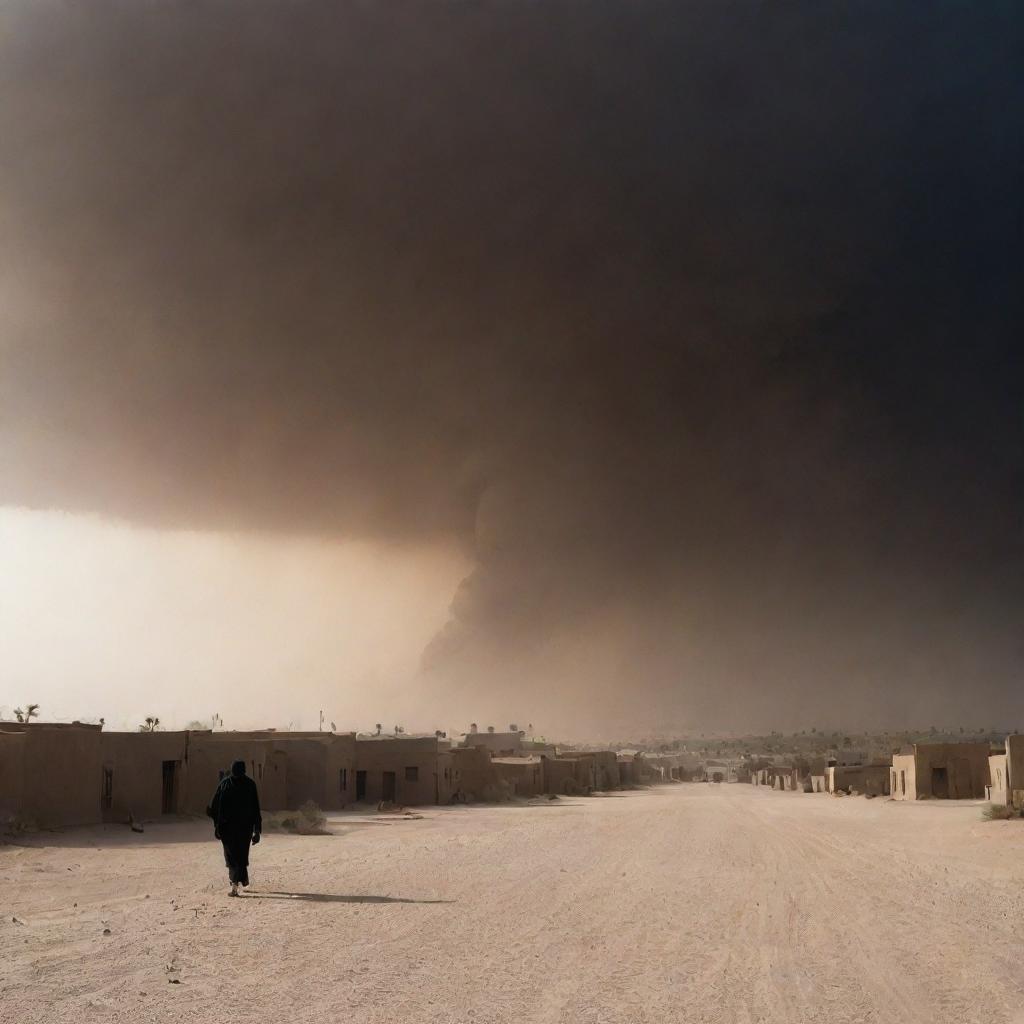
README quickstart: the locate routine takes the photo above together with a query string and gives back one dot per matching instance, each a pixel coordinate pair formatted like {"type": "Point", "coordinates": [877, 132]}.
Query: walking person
{"type": "Point", "coordinates": [235, 809]}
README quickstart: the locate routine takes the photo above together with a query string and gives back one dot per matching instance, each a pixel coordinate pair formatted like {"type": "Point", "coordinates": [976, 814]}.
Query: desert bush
{"type": "Point", "coordinates": [308, 820]}
{"type": "Point", "coordinates": [17, 826]}
{"type": "Point", "coordinates": [997, 812]}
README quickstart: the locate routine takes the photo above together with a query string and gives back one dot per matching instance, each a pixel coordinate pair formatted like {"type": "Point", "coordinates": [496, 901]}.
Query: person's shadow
{"type": "Point", "coordinates": [328, 897]}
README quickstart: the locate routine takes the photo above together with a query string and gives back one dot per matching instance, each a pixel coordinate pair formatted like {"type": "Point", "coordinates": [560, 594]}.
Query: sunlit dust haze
{"type": "Point", "coordinates": [612, 366]}
{"type": "Point", "coordinates": [106, 620]}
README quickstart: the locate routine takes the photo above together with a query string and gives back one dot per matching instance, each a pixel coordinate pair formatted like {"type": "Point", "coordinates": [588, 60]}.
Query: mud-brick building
{"type": "Point", "coordinates": [598, 769]}
{"type": "Point", "coordinates": [998, 789]}
{"type": "Point", "coordinates": [472, 775]}
{"type": "Point", "coordinates": [940, 771]}
{"type": "Point", "coordinates": [1006, 774]}
{"type": "Point", "coordinates": [1015, 770]}
{"type": "Point", "coordinates": [289, 767]}
{"type": "Point", "coordinates": [145, 775]}
{"type": "Point", "coordinates": [570, 776]}
{"type": "Point", "coordinates": [113, 776]}
{"type": "Point", "coordinates": [865, 779]}
{"type": "Point", "coordinates": [50, 773]}
{"type": "Point", "coordinates": [632, 768]}
{"type": "Point", "coordinates": [404, 770]}
{"type": "Point", "coordinates": [521, 777]}
{"type": "Point", "coordinates": [499, 744]}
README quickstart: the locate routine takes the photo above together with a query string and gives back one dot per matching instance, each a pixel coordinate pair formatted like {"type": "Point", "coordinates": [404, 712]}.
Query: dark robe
{"type": "Point", "coordinates": [235, 809]}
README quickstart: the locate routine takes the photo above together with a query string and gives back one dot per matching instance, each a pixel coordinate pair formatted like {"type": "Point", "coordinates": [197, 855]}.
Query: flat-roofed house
{"type": "Point", "coordinates": [50, 773]}
{"type": "Point", "coordinates": [941, 771]}
{"type": "Point", "coordinates": [865, 779]}
{"type": "Point", "coordinates": [521, 776]}
{"type": "Point", "coordinates": [404, 770]}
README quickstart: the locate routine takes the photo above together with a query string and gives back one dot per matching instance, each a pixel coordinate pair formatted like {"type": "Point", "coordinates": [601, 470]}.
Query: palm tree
{"type": "Point", "coordinates": [472, 726]}
{"type": "Point", "coordinates": [26, 714]}
{"type": "Point", "coordinates": [378, 727]}
{"type": "Point", "coordinates": [150, 725]}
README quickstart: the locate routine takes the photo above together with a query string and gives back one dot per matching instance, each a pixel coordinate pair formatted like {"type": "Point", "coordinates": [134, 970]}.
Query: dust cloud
{"type": "Point", "coordinates": [686, 331]}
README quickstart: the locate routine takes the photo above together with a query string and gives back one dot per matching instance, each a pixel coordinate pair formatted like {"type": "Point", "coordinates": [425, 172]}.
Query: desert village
{"type": "Point", "coordinates": [138, 776]}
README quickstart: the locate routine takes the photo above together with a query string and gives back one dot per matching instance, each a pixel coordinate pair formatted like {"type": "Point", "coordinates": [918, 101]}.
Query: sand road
{"type": "Point", "coordinates": [688, 903]}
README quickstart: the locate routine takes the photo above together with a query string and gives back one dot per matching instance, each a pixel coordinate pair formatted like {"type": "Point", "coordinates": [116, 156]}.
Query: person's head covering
{"type": "Point", "coordinates": [237, 768]}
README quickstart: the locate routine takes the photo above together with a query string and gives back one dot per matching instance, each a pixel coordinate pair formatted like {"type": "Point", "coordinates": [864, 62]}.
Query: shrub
{"type": "Point", "coordinates": [997, 812]}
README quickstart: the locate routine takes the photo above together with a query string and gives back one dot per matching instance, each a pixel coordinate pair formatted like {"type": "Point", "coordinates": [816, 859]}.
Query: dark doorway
{"type": "Point", "coordinates": [360, 786]}
{"type": "Point", "coordinates": [107, 795]}
{"type": "Point", "coordinates": [388, 791]}
{"type": "Point", "coordinates": [940, 784]}
{"type": "Point", "coordinates": [169, 798]}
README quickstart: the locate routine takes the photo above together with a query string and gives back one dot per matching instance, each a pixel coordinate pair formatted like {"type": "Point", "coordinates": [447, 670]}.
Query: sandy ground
{"type": "Point", "coordinates": [689, 903]}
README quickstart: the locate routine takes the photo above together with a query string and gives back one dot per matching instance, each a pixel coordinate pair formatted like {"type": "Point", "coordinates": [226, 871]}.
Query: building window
{"type": "Point", "coordinates": [107, 796]}
{"type": "Point", "coordinates": [343, 779]}
{"type": "Point", "coordinates": [412, 774]}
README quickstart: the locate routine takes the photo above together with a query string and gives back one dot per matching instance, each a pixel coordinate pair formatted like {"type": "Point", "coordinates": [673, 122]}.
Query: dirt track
{"type": "Point", "coordinates": [681, 904]}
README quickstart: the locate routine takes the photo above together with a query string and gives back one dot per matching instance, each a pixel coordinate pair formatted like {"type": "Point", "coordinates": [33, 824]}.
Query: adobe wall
{"type": "Point", "coordinates": [602, 771]}
{"type": "Point", "coordinates": [903, 777]}
{"type": "Point", "coordinates": [62, 776]}
{"type": "Point", "coordinates": [377, 756]}
{"type": "Point", "coordinates": [627, 774]}
{"type": "Point", "coordinates": [339, 770]}
{"type": "Point", "coordinates": [997, 791]}
{"type": "Point", "coordinates": [209, 753]}
{"type": "Point", "coordinates": [1015, 768]}
{"type": "Point", "coordinates": [965, 764]}
{"type": "Point", "coordinates": [561, 776]}
{"type": "Point", "coordinates": [321, 768]}
{"type": "Point", "coordinates": [306, 778]}
{"type": "Point", "coordinates": [524, 778]}
{"type": "Point", "coordinates": [472, 774]}
{"type": "Point", "coordinates": [607, 769]}
{"type": "Point", "coordinates": [12, 774]}
{"type": "Point", "coordinates": [868, 780]}
{"type": "Point", "coordinates": [135, 760]}
{"type": "Point", "coordinates": [445, 763]}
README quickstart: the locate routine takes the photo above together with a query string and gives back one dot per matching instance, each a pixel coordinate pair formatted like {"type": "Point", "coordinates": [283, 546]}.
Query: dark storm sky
{"type": "Point", "coordinates": [695, 322]}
